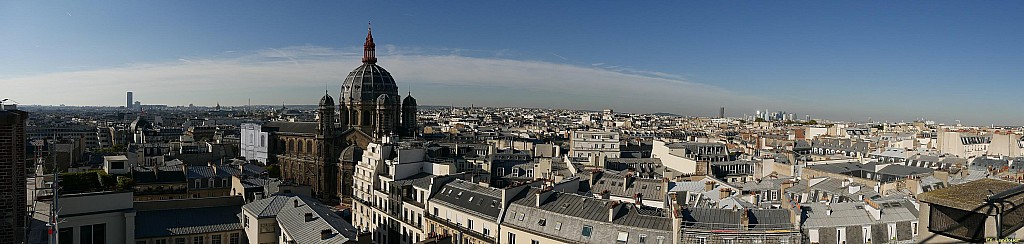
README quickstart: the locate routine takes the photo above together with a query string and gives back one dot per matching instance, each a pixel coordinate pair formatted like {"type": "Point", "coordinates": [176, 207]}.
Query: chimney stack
{"type": "Point", "coordinates": [543, 196]}
{"type": "Point", "coordinates": [626, 180]}
{"type": "Point", "coordinates": [614, 210]}
{"type": "Point", "coordinates": [725, 192]}
{"type": "Point", "coordinates": [708, 186]}
{"type": "Point", "coordinates": [745, 218]}
{"type": "Point", "coordinates": [325, 234]}
{"type": "Point", "coordinates": [309, 217]}
{"type": "Point", "coordinates": [296, 202]}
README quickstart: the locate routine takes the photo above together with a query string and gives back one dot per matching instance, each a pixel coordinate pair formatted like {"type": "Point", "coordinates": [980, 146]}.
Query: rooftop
{"type": "Point", "coordinates": [971, 195]}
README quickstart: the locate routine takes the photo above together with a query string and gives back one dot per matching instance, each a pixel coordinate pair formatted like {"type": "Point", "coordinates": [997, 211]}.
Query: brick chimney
{"type": "Point", "coordinates": [725, 192]}
{"type": "Point", "coordinates": [708, 186]}
{"type": "Point", "coordinates": [309, 217]}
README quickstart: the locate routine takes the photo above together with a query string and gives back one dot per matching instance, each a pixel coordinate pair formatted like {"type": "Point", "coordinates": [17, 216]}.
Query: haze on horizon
{"type": "Point", "coordinates": [849, 60]}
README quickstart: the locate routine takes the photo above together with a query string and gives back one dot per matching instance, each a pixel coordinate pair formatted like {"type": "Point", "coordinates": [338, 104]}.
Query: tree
{"type": "Point", "coordinates": [274, 171]}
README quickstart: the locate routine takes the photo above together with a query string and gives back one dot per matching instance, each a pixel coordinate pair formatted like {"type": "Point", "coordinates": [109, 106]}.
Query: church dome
{"type": "Point", "coordinates": [368, 81]}
{"type": "Point", "coordinates": [409, 101]}
{"type": "Point", "coordinates": [327, 100]}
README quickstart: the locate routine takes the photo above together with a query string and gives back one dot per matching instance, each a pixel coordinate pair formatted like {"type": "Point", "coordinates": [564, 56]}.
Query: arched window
{"type": "Point", "coordinates": [299, 150]}
{"type": "Point", "coordinates": [291, 146]}
{"type": "Point", "coordinates": [309, 147]}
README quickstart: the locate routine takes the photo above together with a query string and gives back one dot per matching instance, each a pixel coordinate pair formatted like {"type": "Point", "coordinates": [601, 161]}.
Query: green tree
{"type": "Point", "coordinates": [274, 171]}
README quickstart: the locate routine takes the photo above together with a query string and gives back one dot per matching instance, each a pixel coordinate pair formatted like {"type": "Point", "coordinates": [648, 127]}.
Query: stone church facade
{"type": "Point", "coordinates": [323, 154]}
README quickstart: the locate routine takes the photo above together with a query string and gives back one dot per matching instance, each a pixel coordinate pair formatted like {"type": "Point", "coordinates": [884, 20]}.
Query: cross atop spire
{"type": "Point", "coordinates": [369, 49]}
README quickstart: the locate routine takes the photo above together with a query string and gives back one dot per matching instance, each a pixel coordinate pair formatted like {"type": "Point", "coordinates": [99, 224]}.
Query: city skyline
{"type": "Point", "coordinates": [840, 61]}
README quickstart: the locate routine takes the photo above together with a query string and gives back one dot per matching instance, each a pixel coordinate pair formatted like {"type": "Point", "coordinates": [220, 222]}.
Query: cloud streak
{"type": "Point", "coordinates": [296, 75]}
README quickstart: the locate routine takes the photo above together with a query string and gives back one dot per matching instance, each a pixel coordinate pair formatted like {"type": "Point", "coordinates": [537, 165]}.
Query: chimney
{"type": "Point", "coordinates": [828, 210]}
{"type": "Point", "coordinates": [309, 217]}
{"type": "Point", "coordinates": [745, 218]}
{"type": "Point", "coordinates": [325, 234]}
{"type": "Point", "coordinates": [708, 186]}
{"type": "Point", "coordinates": [872, 209]}
{"type": "Point", "coordinates": [543, 196]}
{"type": "Point", "coordinates": [680, 197]}
{"type": "Point", "coordinates": [942, 176]}
{"type": "Point", "coordinates": [296, 202]}
{"type": "Point", "coordinates": [725, 192]}
{"type": "Point", "coordinates": [626, 180]}
{"type": "Point", "coordinates": [605, 195]}
{"type": "Point", "coordinates": [639, 199]}
{"type": "Point", "coordinates": [614, 210]}
{"type": "Point", "coordinates": [846, 182]}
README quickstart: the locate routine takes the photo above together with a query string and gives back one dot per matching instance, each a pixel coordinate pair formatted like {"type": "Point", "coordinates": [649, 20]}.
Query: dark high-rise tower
{"type": "Point", "coordinates": [130, 101]}
{"type": "Point", "coordinates": [409, 116]}
{"type": "Point", "coordinates": [12, 174]}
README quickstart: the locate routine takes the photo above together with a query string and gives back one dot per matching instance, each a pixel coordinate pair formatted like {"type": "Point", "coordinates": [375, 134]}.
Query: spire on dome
{"type": "Point", "coordinates": [369, 49]}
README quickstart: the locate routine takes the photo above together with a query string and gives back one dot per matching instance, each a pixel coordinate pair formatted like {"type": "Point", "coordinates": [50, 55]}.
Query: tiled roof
{"type": "Point", "coordinates": [617, 185]}
{"type": "Point", "coordinates": [163, 175]}
{"type": "Point", "coordinates": [478, 200]}
{"type": "Point", "coordinates": [159, 223]}
{"type": "Point", "coordinates": [267, 207]}
{"type": "Point", "coordinates": [564, 215]}
{"type": "Point", "coordinates": [293, 127]}
{"type": "Point", "coordinates": [293, 221]}
{"type": "Point", "coordinates": [969, 196]}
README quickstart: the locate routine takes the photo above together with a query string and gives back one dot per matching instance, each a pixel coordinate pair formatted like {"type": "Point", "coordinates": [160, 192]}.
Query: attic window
{"type": "Point", "coordinates": [643, 187]}
{"type": "Point", "coordinates": [494, 203]}
{"type": "Point", "coordinates": [471, 198]}
{"type": "Point", "coordinates": [542, 222]}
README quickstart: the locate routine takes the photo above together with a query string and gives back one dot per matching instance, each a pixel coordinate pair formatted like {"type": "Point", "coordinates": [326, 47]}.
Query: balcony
{"type": "Point", "coordinates": [459, 228]}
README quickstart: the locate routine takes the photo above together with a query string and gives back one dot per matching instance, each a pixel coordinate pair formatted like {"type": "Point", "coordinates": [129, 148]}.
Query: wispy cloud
{"type": "Point", "coordinates": [297, 75]}
{"type": "Point", "coordinates": [559, 56]}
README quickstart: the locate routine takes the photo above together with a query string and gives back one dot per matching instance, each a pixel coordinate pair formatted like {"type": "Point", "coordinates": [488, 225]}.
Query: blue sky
{"type": "Point", "coordinates": [848, 60]}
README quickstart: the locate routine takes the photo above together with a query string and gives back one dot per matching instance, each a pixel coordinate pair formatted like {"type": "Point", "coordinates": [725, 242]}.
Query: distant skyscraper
{"type": "Point", "coordinates": [12, 174]}
{"type": "Point", "coordinates": [130, 101]}
{"type": "Point", "coordinates": [721, 113]}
